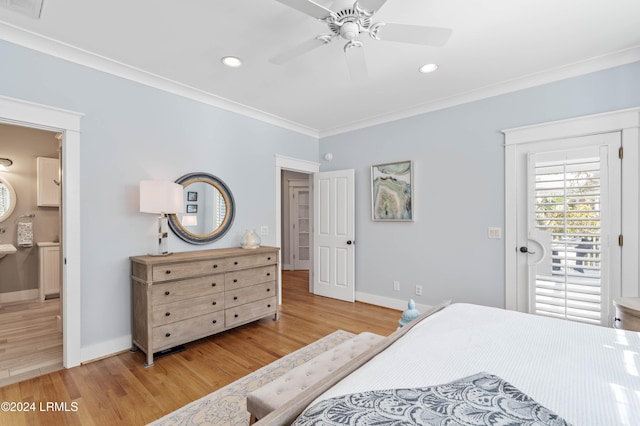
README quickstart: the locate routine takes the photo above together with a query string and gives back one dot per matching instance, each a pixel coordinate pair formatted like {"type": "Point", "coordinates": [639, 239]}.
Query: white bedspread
{"type": "Point", "coordinates": [587, 374]}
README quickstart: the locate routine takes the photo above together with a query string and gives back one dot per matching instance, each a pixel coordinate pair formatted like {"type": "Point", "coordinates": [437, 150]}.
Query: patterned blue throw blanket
{"type": "Point", "coordinates": [481, 399]}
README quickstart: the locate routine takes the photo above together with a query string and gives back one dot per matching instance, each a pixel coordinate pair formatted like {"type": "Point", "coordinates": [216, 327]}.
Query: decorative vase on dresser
{"type": "Point", "coordinates": [191, 295]}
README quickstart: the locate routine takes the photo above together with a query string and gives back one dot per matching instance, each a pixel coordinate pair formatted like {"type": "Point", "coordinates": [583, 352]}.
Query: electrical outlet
{"type": "Point", "coordinates": [264, 230]}
{"type": "Point", "coordinates": [396, 285]}
{"type": "Point", "coordinates": [418, 290]}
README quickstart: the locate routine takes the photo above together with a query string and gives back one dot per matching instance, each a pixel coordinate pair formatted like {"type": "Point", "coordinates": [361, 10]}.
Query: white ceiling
{"type": "Point", "coordinates": [496, 46]}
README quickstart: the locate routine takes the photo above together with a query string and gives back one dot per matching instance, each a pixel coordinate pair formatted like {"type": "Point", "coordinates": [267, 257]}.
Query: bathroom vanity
{"type": "Point", "coordinates": [49, 269]}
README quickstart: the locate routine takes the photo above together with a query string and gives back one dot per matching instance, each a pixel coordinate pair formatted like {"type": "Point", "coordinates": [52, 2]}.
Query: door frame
{"type": "Point", "coordinates": [27, 114]}
{"type": "Point", "coordinates": [627, 122]}
{"type": "Point", "coordinates": [294, 165]}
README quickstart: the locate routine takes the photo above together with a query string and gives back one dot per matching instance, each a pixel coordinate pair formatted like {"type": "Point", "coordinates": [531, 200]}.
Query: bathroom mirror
{"type": "Point", "coordinates": [7, 199]}
{"type": "Point", "coordinates": [209, 209]}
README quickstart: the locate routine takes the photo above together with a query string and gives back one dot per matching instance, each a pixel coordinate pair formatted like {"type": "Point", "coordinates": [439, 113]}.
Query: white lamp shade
{"type": "Point", "coordinates": [190, 220]}
{"type": "Point", "coordinates": [161, 196]}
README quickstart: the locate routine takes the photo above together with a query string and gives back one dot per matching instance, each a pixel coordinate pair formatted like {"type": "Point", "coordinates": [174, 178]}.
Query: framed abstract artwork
{"type": "Point", "coordinates": [392, 192]}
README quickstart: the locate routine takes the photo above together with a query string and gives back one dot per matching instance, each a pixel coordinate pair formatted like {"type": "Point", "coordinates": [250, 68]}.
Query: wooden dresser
{"type": "Point", "coordinates": [627, 313]}
{"type": "Point", "coordinates": [189, 295]}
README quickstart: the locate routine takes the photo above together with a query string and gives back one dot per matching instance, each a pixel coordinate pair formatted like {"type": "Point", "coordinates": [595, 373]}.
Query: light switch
{"type": "Point", "coordinates": [495, 232]}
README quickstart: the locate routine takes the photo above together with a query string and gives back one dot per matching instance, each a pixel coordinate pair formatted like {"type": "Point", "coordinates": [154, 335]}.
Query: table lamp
{"type": "Point", "coordinates": [162, 197]}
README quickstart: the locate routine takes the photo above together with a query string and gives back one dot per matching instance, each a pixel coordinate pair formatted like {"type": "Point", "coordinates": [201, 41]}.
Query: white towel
{"type": "Point", "coordinates": [25, 234]}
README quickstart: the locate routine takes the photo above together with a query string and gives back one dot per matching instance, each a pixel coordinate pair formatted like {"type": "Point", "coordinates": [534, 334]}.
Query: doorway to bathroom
{"type": "Point", "coordinates": [30, 278]}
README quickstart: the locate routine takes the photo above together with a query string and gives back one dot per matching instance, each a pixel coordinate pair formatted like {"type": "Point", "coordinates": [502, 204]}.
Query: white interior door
{"type": "Point", "coordinates": [568, 224]}
{"type": "Point", "coordinates": [333, 234]}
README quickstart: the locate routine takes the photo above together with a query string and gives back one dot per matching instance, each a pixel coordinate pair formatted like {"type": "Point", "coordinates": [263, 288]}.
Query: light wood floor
{"type": "Point", "coordinates": [30, 340]}
{"type": "Point", "coordinates": [119, 390]}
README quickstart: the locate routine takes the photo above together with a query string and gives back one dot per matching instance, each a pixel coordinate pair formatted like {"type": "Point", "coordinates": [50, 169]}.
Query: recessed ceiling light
{"type": "Point", "coordinates": [428, 68]}
{"type": "Point", "coordinates": [232, 61]}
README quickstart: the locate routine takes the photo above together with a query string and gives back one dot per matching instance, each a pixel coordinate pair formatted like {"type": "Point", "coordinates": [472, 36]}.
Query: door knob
{"type": "Point", "coordinates": [349, 242]}
{"type": "Point", "coordinates": [524, 249]}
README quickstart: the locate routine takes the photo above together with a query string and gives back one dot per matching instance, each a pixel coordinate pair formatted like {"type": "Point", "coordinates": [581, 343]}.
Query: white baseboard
{"type": "Point", "coordinates": [19, 296]}
{"type": "Point", "coordinates": [105, 349]}
{"type": "Point", "coordinates": [388, 302]}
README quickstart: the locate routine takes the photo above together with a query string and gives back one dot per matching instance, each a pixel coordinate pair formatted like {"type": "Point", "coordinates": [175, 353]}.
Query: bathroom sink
{"type": "Point", "coordinates": [6, 249]}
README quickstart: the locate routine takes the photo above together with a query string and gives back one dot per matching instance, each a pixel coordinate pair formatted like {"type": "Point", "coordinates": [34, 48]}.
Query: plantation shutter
{"type": "Point", "coordinates": [565, 210]}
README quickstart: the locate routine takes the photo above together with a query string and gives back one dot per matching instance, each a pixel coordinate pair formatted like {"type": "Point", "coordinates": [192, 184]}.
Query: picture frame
{"type": "Point", "coordinates": [192, 196]}
{"type": "Point", "coordinates": [392, 192]}
{"type": "Point", "coordinates": [192, 208]}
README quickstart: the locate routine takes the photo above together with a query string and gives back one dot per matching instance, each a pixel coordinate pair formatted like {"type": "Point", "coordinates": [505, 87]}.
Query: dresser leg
{"type": "Point", "coordinates": [149, 362]}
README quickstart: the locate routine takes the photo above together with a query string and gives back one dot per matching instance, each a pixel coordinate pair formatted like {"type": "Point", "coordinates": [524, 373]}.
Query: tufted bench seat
{"type": "Point", "coordinates": [264, 400]}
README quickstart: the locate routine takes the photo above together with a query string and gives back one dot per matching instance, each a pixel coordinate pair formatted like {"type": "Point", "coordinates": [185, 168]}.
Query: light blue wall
{"type": "Point", "coordinates": [458, 160]}
{"type": "Point", "coordinates": [132, 132]}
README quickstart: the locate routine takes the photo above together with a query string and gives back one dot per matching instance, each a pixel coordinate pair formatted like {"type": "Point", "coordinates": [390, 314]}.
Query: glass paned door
{"type": "Point", "coordinates": [571, 220]}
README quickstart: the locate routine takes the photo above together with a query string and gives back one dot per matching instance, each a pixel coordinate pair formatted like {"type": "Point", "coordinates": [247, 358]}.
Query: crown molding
{"type": "Point", "coordinates": [49, 46]}
{"type": "Point", "coordinates": [599, 63]}
{"type": "Point", "coordinates": [31, 40]}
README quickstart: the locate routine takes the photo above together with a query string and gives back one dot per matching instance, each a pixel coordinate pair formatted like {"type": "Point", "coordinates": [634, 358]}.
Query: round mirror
{"type": "Point", "coordinates": [209, 209]}
{"type": "Point", "coordinates": [7, 199]}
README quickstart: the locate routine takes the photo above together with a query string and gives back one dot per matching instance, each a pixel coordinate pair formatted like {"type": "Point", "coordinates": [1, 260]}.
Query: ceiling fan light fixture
{"type": "Point", "coordinates": [427, 68]}
{"type": "Point", "coordinates": [232, 61]}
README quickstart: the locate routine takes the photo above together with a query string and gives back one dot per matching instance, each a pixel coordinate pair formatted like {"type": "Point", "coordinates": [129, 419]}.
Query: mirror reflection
{"type": "Point", "coordinates": [7, 199]}
{"type": "Point", "coordinates": [208, 209]}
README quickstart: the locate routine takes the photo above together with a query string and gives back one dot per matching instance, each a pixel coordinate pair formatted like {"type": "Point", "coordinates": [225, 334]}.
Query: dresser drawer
{"type": "Point", "coordinates": [244, 295]}
{"type": "Point", "coordinates": [187, 308]}
{"type": "Point", "coordinates": [248, 277]}
{"type": "Point", "coordinates": [185, 270]}
{"type": "Point", "coordinates": [250, 311]}
{"type": "Point", "coordinates": [180, 332]}
{"type": "Point", "coordinates": [185, 289]}
{"type": "Point", "coordinates": [242, 262]}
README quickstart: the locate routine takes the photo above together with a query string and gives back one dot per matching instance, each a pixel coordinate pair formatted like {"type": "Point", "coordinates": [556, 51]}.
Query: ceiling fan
{"type": "Point", "coordinates": [351, 20]}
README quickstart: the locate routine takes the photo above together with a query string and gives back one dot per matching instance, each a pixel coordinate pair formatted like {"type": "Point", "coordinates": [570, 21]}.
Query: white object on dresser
{"type": "Point", "coordinates": [48, 190]}
{"type": "Point", "coordinates": [191, 295]}
{"type": "Point", "coordinates": [49, 273]}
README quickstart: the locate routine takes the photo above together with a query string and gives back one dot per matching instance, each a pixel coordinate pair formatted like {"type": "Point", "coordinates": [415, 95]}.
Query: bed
{"type": "Point", "coordinates": [566, 372]}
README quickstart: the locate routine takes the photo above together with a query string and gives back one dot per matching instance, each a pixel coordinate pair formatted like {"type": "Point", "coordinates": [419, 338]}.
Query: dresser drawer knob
{"type": "Point", "coordinates": [236, 315]}
{"type": "Point", "coordinates": [269, 258]}
{"type": "Point", "coordinates": [235, 297]}
{"type": "Point", "coordinates": [215, 266]}
{"type": "Point", "coordinates": [168, 271]}
{"type": "Point", "coordinates": [269, 305]}
{"type": "Point", "coordinates": [214, 321]}
{"type": "Point", "coordinates": [214, 303]}
{"type": "Point", "coordinates": [235, 280]}
{"type": "Point", "coordinates": [167, 335]}
{"type": "Point", "coordinates": [166, 314]}
{"type": "Point", "coordinates": [268, 289]}
{"type": "Point", "coordinates": [166, 293]}
{"type": "Point", "coordinates": [268, 274]}
{"type": "Point", "coordinates": [235, 263]}
{"type": "Point", "coordinates": [213, 284]}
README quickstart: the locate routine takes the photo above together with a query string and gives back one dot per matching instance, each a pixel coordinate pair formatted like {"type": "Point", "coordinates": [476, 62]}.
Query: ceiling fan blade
{"type": "Point", "coordinates": [415, 34]}
{"type": "Point", "coordinates": [308, 7]}
{"type": "Point", "coordinates": [371, 5]}
{"type": "Point", "coordinates": [356, 63]}
{"type": "Point", "coordinates": [300, 49]}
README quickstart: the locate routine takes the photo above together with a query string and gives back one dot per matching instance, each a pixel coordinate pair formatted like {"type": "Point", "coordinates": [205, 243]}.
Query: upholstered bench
{"type": "Point", "coordinates": [264, 400]}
